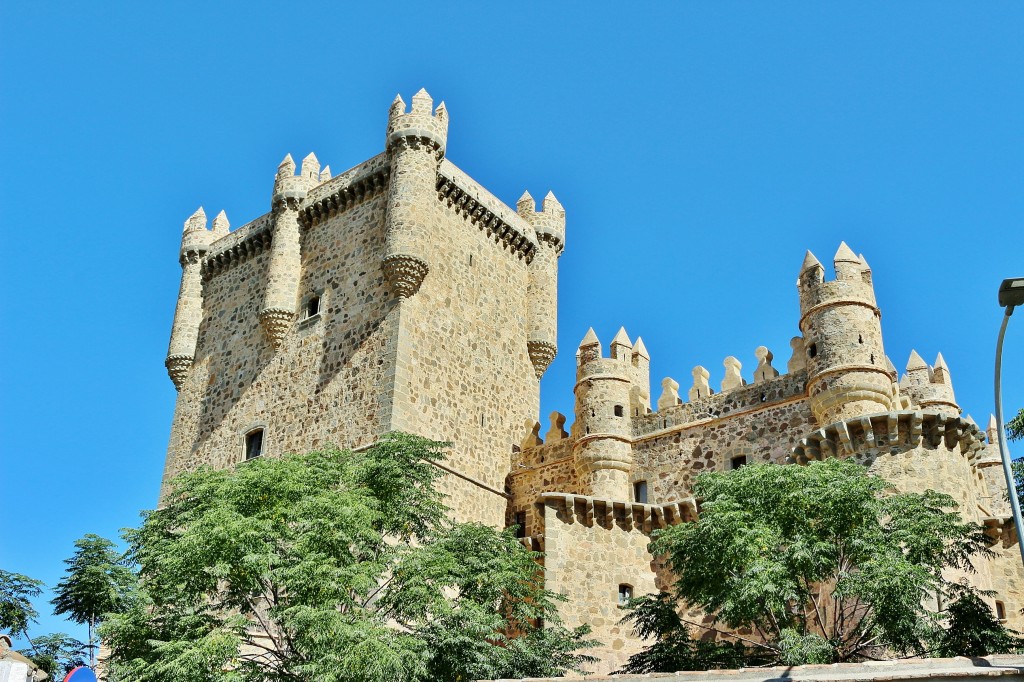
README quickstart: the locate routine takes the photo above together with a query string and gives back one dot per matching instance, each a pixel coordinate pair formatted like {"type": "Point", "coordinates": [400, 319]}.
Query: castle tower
{"type": "Point", "coordinates": [280, 297]}
{"type": "Point", "coordinates": [427, 306]}
{"type": "Point", "coordinates": [195, 241]}
{"type": "Point", "coordinates": [542, 320]}
{"type": "Point", "coordinates": [415, 145]}
{"type": "Point", "coordinates": [841, 324]}
{"type": "Point", "coordinates": [603, 451]}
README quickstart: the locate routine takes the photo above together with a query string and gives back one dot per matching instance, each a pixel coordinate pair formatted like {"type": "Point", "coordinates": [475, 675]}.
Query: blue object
{"type": "Point", "coordinates": [81, 674]}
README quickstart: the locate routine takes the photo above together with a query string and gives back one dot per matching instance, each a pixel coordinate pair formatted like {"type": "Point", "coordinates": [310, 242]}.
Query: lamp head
{"type": "Point", "coordinates": [1011, 292]}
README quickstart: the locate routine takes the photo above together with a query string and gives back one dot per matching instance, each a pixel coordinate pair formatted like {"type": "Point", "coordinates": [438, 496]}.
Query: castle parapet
{"type": "Point", "coordinates": [865, 438]}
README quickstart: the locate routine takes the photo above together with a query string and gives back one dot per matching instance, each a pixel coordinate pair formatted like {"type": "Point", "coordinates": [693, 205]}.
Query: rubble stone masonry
{"type": "Point", "coordinates": [402, 295]}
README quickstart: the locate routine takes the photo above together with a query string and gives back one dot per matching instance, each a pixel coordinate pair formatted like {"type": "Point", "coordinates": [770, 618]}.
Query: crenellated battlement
{"type": "Point", "coordinates": [852, 283]}
{"type": "Point", "coordinates": [549, 222]}
{"type": "Point", "coordinates": [929, 387]}
{"type": "Point", "coordinates": [419, 126]}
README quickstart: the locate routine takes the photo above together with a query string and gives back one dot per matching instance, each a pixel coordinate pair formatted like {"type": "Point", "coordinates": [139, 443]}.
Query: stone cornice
{"type": "Point", "coordinates": [889, 431]}
{"type": "Point", "coordinates": [486, 211]}
{"type": "Point", "coordinates": [606, 513]}
{"type": "Point", "coordinates": [239, 246]}
{"type": "Point", "coordinates": [338, 194]}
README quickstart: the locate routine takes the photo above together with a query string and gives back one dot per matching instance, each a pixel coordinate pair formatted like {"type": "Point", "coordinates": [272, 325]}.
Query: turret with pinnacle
{"type": "Point", "coordinates": [847, 374]}
{"type": "Point", "coordinates": [549, 225]}
{"type": "Point", "coordinates": [415, 144]}
{"type": "Point", "coordinates": [195, 241]}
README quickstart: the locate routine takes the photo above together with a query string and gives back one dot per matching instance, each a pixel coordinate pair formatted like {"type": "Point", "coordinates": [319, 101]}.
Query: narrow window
{"type": "Point", "coordinates": [592, 412]}
{"type": "Point", "coordinates": [520, 521]}
{"type": "Point", "coordinates": [618, 410]}
{"type": "Point", "coordinates": [860, 338]}
{"type": "Point", "coordinates": [254, 444]}
{"type": "Point", "coordinates": [1000, 610]}
{"type": "Point", "coordinates": [625, 594]}
{"type": "Point", "coordinates": [640, 492]}
{"type": "Point", "coordinates": [481, 420]}
{"type": "Point", "coordinates": [738, 461]}
{"type": "Point", "coordinates": [812, 350]}
{"type": "Point", "coordinates": [764, 397]}
{"type": "Point", "coordinates": [312, 307]}
{"type": "Point", "coordinates": [470, 260]}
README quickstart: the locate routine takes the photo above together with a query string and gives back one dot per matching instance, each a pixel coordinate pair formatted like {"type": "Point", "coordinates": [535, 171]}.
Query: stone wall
{"type": "Point", "coordinates": [592, 547]}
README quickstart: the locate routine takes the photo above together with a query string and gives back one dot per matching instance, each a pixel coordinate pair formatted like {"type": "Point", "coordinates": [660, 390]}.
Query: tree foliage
{"type": "Point", "coordinates": [656, 616]}
{"type": "Point", "coordinates": [1015, 427]}
{"type": "Point", "coordinates": [331, 566]}
{"type": "Point", "coordinates": [57, 654]}
{"type": "Point", "coordinates": [16, 594]}
{"type": "Point", "coordinates": [96, 582]}
{"type": "Point", "coordinates": [974, 631]}
{"type": "Point", "coordinates": [823, 563]}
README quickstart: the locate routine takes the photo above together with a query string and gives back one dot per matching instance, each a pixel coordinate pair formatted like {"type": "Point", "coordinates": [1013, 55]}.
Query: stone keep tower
{"type": "Point", "coordinates": [398, 295]}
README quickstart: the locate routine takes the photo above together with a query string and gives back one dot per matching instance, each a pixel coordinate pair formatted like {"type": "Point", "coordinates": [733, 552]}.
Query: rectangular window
{"type": "Point", "coordinates": [640, 492]}
{"type": "Point", "coordinates": [1000, 610]}
{"type": "Point", "coordinates": [520, 522]}
{"type": "Point", "coordinates": [738, 462]}
{"type": "Point", "coordinates": [625, 594]}
{"type": "Point", "coordinates": [254, 444]}
{"type": "Point", "coordinates": [311, 308]}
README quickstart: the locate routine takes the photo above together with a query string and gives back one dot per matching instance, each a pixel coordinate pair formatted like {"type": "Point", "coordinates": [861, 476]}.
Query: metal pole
{"type": "Point", "coordinates": [1004, 452]}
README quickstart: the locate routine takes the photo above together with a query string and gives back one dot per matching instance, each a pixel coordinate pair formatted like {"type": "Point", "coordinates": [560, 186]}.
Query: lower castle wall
{"type": "Point", "coordinates": [587, 562]}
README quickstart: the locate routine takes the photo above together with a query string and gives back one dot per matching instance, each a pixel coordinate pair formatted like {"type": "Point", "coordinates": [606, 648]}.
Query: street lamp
{"type": "Point", "coordinates": [1011, 294]}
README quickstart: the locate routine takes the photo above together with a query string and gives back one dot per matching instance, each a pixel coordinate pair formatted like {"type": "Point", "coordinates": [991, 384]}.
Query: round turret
{"type": "Point", "coordinates": [847, 374]}
{"type": "Point", "coordinates": [542, 314]}
{"type": "Point", "coordinates": [415, 144]}
{"type": "Point", "coordinates": [603, 448]}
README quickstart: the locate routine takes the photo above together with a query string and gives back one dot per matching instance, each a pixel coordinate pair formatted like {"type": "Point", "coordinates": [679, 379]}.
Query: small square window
{"type": "Point", "coordinates": [1000, 610]}
{"type": "Point", "coordinates": [640, 492]}
{"type": "Point", "coordinates": [311, 308]}
{"type": "Point", "coordinates": [619, 411]}
{"type": "Point", "coordinates": [740, 461]}
{"type": "Point", "coordinates": [254, 444]}
{"type": "Point", "coordinates": [625, 594]}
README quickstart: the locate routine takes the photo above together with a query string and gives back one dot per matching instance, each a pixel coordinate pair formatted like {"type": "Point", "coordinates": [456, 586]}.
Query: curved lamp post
{"type": "Point", "coordinates": [1011, 294]}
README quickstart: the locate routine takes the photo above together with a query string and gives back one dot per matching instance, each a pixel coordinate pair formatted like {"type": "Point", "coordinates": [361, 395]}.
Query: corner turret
{"type": "Point", "coordinates": [195, 242]}
{"type": "Point", "coordinates": [415, 144]}
{"type": "Point", "coordinates": [279, 299]}
{"type": "Point", "coordinates": [846, 367]}
{"type": "Point", "coordinates": [929, 388]}
{"type": "Point", "coordinates": [542, 322]}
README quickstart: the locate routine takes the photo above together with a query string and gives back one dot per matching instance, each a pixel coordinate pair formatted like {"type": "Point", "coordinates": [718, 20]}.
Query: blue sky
{"type": "Point", "coordinates": [698, 148]}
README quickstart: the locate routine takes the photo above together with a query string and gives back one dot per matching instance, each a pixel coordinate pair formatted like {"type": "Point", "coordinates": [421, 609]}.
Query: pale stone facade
{"type": "Point", "coordinates": [401, 295]}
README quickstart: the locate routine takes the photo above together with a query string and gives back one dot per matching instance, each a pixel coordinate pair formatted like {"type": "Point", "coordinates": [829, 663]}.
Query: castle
{"type": "Point", "coordinates": [402, 295]}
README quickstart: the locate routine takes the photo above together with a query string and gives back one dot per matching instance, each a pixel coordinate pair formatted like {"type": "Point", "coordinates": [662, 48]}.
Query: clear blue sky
{"type": "Point", "coordinates": [699, 149]}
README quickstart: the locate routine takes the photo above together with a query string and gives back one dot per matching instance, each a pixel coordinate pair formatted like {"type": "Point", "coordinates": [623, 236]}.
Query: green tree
{"type": "Point", "coordinates": [331, 566]}
{"type": "Point", "coordinates": [974, 630]}
{"type": "Point", "coordinates": [656, 616]}
{"type": "Point", "coordinates": [57, 654]}
{"type": "Point", "coordinates": [95, 583]}
{"type": "Point", "coordinates": [16, 594]}
{"type": "Point", "coordinates": [1015, 427]}
{"type": "Point", "coordinates": [824, 563]}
